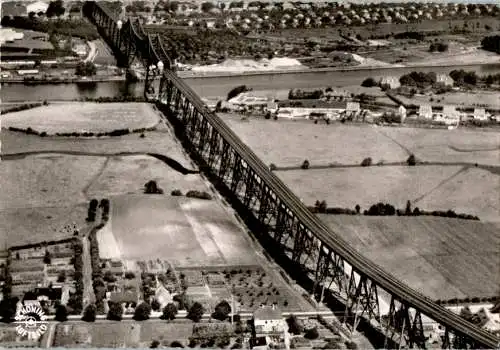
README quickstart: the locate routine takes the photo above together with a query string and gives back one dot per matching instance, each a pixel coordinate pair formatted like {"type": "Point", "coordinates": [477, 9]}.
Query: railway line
{"type": "Point", "coordinates": [151, 50]}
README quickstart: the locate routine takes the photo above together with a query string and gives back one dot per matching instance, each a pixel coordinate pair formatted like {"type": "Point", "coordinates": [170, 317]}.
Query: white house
{"type": "Point", "coordinates": [37, 6]}
{"type": "Point", "coordinates": [268, 320]}
{"type": "Point", "coordinates": [402, 112]}
{"type": "Point", "coordinates": [480, 114]}
{"type": "Point", "coordinates": [393, 82]}
{"type": "Point", "coordinates": [445, 79]}
{"type": "Point", "coordinates": [450, 112]}
{"type": "Point", "coordinates": [425, 111]}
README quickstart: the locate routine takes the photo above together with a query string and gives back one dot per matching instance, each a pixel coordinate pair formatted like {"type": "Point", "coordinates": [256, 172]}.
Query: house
{"type": "Point", "coordinates": [37, 6]}
{"type": "Point", "coordinates": [392, 82]}
{"type": "Point", "coordinates": [402, 112]}
{"type": "Point", "coordinates": [450, 112]}
{"type": "Point", "coordinates": [13, 9]}
{"type": "Point", "coordinates": [163, 296]}
{"type": "Point", "coordinates": [444, 79]}
{"type": "Point", "coordinates": [269, 324]}
{"type": "Point", "coordinates": [353, 108]}
{"type": "Point", "coordinates": [425, 111]}
{"type": "Point", "coordinates": [480, 114]}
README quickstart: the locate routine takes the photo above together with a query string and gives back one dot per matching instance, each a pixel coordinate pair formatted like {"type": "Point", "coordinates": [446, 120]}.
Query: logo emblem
{"type": "Point", "coordinates": [31, 322]}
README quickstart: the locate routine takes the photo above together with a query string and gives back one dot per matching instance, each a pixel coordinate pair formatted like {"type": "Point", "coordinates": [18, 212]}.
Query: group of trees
{"type": "Point", "coordinates": [236, 91]}
{"type": "Point", "coordinates": [369, 82]}
{"type": "Point", "coordinates": [440, 47]}
{"type": "Point", "coordinates": [418, 79]}
{"type": "Point", "coordinates": [92, 211]}
{"type": "Point", "coordinates": [461, 77]}
{"type": "Point", "coordinates": [75, 302]}
{"type": "Point", "coordinates": [491, 43]}
{"type": "Point", "coordinates": [151, 187]}
{"type": "Point", "coordinates": [56, 8]}
{"type": "Point", "coordinates": [298, 94]}
{"type": "Point", "coordinates": [86, 69]}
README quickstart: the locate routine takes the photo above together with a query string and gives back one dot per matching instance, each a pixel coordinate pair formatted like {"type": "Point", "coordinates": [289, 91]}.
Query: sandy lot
{"type": "Point", "coordinates": [288, 143]}
{"type": "Point", "coordinates": [189, 232]}
{"type": "Point", "coordinates": [84, 117]}
{"type": "Point", "coordinates": [440, 257]}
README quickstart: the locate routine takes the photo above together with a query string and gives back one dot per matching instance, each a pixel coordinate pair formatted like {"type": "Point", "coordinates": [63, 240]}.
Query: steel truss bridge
{"type": "Point", "coordinates": [275, 213]}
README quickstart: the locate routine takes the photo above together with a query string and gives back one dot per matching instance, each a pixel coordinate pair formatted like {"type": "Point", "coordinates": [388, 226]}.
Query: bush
{"type": "Point", "coordinates": [369, 82]}
{"type": "Point", "coordinates": [176, 344]}
{"type": "Point", "coordinates": [199, 195]}
{"type": "Point", "coordinates": [89, 315]}
{"type": "Point", "coordinates": [236, 91]}
{"type": "Point", "coordinates": [154, 344]}
{"type": "Point", "coordinates": [169, 312]}
{"type": "Point", "coordinates": [176, 193]}
{"type": "Point", "coordinates": [129, 275]}
{"type": "Point", "coordinates": [311, 333]}
{"type": "Point", "coordinates": [195, 312]}
{"type": "Point", "coordinates": [273, 167]}
{"type": "Point", "coordinates": [351, 345]}
{"type": "Point", "coordinates": [222, 311]}
{"type": "Point", "coordinates": [293, 325]}
{"type": "Point", "coordinates": [366, 162]}
{"type": "Point", "coordinates": [305, 164]}
{"type": "Point", "coordinates": [61, 313]}
{"type": "Point", "coordinates": [115, 312]}
{"type": "Point", "coordinates": [152, 188]}
{"type": "Point", "coordinates": [411, 161]}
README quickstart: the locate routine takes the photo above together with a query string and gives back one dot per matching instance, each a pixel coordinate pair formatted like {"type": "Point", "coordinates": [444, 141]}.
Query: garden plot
{"type": "Point", "coordinates": [289, 143]}
{"type": "Point", "coordinates": [441, 257]}
{"type": "Point", "coordinates": [84, 117]}
{"type": "Point", "coordinates": [112, 335]}
{"type": "Point", "coordinates": [177, 229]}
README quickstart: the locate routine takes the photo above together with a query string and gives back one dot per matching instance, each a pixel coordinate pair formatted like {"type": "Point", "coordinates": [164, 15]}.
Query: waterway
{"type": "Point", "coordinates": [220, 86]}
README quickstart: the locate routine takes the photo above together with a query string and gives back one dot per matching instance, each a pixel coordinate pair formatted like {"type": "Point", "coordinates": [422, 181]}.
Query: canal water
{"type": "Point", "coordinates": [220, 86]}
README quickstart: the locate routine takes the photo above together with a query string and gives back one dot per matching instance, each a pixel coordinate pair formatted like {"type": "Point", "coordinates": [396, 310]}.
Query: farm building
{"type": "Point", "coordinates": [444, 79]}
{"type": "Point", "coordinates": [393, 82]}
{"type": "Point", "coordinates": [36, 7]}
{"type": "Point", "coordinates": [480, 114]}
{"type": "Point", "coordinates": [270, 325]}
{"type": "Point", "coordinates": [309, 113]}
{"type": "Point", "coordinates": [425, 111]}
{"type": "Point", "coordinates": [163, 296]}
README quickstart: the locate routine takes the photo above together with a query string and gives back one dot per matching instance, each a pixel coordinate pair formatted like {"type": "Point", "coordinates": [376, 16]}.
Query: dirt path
{"type": "Point", "coordinates": [88, 290]}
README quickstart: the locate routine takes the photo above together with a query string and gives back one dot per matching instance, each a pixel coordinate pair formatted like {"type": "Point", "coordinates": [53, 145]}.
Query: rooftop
{"type": "Point", "coordinates": [267, 313]}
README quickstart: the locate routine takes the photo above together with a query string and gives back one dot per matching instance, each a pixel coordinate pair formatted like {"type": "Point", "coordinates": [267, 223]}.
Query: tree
{"type": "Point", "coordinates": [61, 277]}
{"type": "Point", "coordinates": [154, 344]}
{"type": "Point", "coordinates": [236, 91]}
{"type": "Point", "coordinates": [222, 311]}
{"type": "Point", "coordinates": [366, 162]}
{"type": "Point", "coordinates": [86, 69]}
{"type": "Point", "coordinates": [89, 314]}
{"type": "Point", "coordinates": [152, 187]}
{"type": "Point", "coordinates": [8, 309]}
{"type": "Point", "coordinates": [293, 325]}
{"type": "Point", "coordinates": [115, 312]}
{"type": "Point", "coordinates": [109, 277]}
{"type": "Point", "coordinates": [408, 208]}
{"type": "Point", "coordinates": [196, 312]}
{"type": "Point", "coordinates": [357, 208]}
{"type": "Point", "coordinates": [311, 333]}
{"type": "Point", "coordinates": [47, 258]}
{"type": "Point", "coordinates": [55, 9]}
{"type": "Point", "coordinates": [369, 82]}
{"type": "Point", "coordinates": [305, 164]}
{"type": "Point", "coordinates": [207, 6]}
{"type": "Point", "coordinates": [142, 312]}
{"type": "Point", "coordinates": [129, 275]}
{"type": "Point", "coordinates": [155, 305]}
{"type": "Point", "coordinates": [169, 312]}
{"type": "Point", "coordinates": [61, 313]}
{"type": "Point", "coordinates": [411, 161]}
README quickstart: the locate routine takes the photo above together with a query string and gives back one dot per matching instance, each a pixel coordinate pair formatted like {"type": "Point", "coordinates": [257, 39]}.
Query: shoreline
{"type": "Point", "coordinates": [186, 74]}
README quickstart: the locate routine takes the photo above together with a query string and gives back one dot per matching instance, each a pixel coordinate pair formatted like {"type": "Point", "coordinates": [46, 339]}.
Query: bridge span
{"type": "Point", "coordinates": [274, 212]}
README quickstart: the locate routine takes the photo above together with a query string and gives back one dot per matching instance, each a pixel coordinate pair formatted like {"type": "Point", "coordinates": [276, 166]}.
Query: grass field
{"type": "Point", "coordinates": [468, 99]}
{"type": "Point", "coordinates": [428, 187]}
{"type": "Point", "coordinates": [188, 232]}
{"type": "Point", "coordinates": [84, 117]}
{"type": "Point", "coordinates": [443, 258]}
{"type": "Point", "coordinates": [289, 143]}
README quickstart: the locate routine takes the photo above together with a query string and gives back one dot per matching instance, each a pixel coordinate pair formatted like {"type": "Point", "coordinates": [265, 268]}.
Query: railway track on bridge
{"type": "Point", "coordinates": [151, 50]}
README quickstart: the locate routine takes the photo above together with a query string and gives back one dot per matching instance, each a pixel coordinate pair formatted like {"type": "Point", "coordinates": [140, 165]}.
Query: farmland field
{"type": "Point", "coordinates": [469, 99]}
{"type": "Point", "coordinates": [470, 191]}
{"type": "Point", "coordinates": [188, 232]}
{"type": "Point", "coordinates": [288, 143]}
{"type": "Point", "coordinates": [440, 257]}
{"type": "Point", "coordinates": [84, 117]}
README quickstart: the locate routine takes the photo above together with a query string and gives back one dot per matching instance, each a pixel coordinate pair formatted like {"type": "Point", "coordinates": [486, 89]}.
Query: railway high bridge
{"type": "Point", "coordinates": [279, 219]}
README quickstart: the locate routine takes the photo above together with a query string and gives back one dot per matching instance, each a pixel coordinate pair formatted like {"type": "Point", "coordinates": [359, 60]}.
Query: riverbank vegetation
{"type": "Point", "coordinates": [22, 107]}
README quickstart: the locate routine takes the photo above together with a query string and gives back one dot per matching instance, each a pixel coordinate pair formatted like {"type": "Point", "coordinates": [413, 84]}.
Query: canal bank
{"type": "Point", "coordinates": [221, 85]}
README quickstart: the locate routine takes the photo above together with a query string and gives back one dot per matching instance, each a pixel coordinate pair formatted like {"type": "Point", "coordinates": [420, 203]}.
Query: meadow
{"type": "Point", "coordinates": [84, 117]}
{"type": "Point", "coordinates": [466, 99]}
{"type": "Point", "coordinates": [440, 257]}
{"type": "Point", "coordinates": [188, 232]}
{"type": "Point", "coordinates": [289, 143]}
